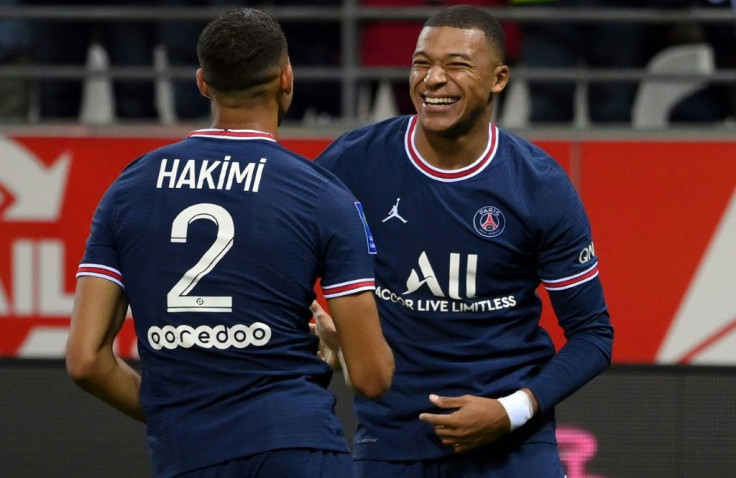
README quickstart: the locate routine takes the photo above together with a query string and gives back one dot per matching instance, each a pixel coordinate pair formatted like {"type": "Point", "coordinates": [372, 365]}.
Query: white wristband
{"type": "Point", "coordinates": [518, 407]}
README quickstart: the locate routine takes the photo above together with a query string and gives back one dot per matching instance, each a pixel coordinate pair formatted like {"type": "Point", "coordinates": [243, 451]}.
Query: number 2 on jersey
{"type": "Point", "coordinates": [178, 298]}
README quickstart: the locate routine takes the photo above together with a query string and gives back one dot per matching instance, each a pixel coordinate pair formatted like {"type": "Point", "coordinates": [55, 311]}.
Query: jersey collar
{"type": "Point", "coordinates": [237, 134]}
{"type": "Point", "coordinates": [449, 175]}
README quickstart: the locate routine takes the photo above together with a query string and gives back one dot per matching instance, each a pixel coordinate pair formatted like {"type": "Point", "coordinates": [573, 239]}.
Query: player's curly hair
{"type": "Point", "coordinates": [241, 49]}
{"type": "Point", "coordinates": [467, 17]}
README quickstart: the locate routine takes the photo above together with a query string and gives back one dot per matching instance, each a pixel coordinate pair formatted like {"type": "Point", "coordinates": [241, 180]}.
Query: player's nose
{"type": "Point", "coordinates": [436, 75]}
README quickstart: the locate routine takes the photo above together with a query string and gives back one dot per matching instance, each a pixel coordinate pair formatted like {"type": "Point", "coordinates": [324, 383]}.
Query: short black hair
{"type": "Point", "coordinates": [241, 49]}
{"type": "Point", "coordinates": [468, 18]}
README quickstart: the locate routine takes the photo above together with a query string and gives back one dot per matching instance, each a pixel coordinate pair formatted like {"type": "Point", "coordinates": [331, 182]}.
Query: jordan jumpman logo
{"type": "Point", "coordinates": [394, 212]}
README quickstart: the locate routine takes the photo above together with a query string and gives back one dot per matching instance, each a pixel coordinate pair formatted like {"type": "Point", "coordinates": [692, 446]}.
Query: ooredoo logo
{"type": "Point", "coordinates": [239, 336]}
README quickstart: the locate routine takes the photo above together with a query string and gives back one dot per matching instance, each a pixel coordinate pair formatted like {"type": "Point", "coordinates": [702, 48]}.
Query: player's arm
{"type": "Point", "coordinates": [588, 347]}
{"type": "Point", "coordinates": [353, 334]}
{"type": "Point", "coordinates": [99, 312]}
{"type": "Point", "coordinates": [575, 290]}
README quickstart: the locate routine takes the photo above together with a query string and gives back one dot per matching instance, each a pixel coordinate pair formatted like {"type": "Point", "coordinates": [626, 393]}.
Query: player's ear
{"type": "Point", "coordinates": [286, 79]}
{"type": "Point", "coordinates": [500, 78]}
{"type": "Point", "coordinates": [201, 85]}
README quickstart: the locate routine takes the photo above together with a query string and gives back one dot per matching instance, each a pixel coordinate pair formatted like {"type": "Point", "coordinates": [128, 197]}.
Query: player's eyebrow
{"type": "Point", "coordinates": [462, 56]}
{"type": "Point", "coordinates": [448, 56]}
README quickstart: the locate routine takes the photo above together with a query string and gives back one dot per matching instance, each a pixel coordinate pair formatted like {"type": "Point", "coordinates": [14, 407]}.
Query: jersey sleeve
{"type": "Point", "coordinates": [348, 246]}
{"type": "Point", "coordinates": [568, 269]}
{"type": "Point", "coordinates": [100, 256]}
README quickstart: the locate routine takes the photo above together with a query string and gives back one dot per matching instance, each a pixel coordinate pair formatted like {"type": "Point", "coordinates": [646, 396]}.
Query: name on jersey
{"type": "Point", "coordinates": [206, 174]}
{"type": "Point", "coordinates": [444, 305]}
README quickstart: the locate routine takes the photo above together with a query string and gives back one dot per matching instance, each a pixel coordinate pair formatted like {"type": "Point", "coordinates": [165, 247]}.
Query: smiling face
{"type": "Point", "coordinates": [454, 73]}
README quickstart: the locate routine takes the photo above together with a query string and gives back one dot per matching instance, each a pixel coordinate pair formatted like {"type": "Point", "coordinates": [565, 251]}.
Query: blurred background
{"type": "Point", "coordinates": [636, 100]}
{"type": "Point", "coordinates": [577, 63]}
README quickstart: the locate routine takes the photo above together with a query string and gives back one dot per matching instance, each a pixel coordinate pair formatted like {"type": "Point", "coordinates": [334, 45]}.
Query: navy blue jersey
{"type": "Point", "coordinates": [461, 255]}
{"type": "Point", "coordinates": [218, 241]}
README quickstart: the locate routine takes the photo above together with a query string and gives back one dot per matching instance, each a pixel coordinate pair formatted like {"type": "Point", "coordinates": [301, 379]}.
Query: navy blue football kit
{"type": "Point", "coordinates": [218, 241]}
{"type": "Point", "coordinates": [461, 254]}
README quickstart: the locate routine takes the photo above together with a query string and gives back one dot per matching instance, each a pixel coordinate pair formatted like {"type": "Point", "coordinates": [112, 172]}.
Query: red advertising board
{"type": "Point", "coordinates": [663, 217]}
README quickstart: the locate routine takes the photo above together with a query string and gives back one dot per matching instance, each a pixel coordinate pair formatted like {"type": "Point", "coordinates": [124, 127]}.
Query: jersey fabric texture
{"type": "Point", "coordinates": [218, 241]}
{"type": "Point", "coordinates": [461, 255]}
{"type": "Point", "coordinates": [292, 463]}
{"type": "Point", "coordinates": [533, 460]}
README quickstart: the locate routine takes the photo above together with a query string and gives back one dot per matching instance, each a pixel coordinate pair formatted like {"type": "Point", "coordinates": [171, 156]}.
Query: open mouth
{"type": "Point", "coordinates": [441, 101]}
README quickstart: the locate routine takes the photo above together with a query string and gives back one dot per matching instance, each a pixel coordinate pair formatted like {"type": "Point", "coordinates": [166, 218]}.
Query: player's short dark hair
{"type": "Point", "coordinates": [467, 18]}
{"type": "Point", "coordinates": [241, 49]}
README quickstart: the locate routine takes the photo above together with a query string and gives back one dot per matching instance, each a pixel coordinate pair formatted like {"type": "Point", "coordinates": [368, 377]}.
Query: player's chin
{"type": "Point", "coordinates": [437, 123]}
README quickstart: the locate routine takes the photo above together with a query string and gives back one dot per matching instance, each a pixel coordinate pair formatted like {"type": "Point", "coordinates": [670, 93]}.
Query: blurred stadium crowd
{"type": "Point", "coordinates": [534, 44]}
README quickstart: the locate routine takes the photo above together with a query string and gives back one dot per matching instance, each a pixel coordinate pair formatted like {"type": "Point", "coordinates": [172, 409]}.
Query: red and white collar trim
{"type": "Point", "coordinates": [237, 134]}
{"type": "Point", "coordinates": [449, 175]}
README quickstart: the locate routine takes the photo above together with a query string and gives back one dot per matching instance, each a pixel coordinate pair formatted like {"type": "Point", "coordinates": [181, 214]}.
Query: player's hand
{"type": "Point", "coordinates": [477, 421]}
{"type": "Point", "coordinates": [324, 328]}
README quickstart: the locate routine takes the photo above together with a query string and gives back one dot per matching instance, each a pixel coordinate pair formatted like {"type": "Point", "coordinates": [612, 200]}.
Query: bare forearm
{"type": "Point", "coordinates": [99, 313]}
{"type": "Point", "coordinates": [117, 384]}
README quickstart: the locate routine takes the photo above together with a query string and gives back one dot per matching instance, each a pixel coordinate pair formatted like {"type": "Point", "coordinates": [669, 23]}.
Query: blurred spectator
{"type": "Point", "coordinates": [391, 43]}
{"type": "Point", "coordinates": [180, 39]}
{"type": "Point", "coordinates": [308, 46]}
{"type": "Point", "coordinates": [131, 43]}
{"type": "Point", "coordinates": [64, 43]}
{"type": "Point", "coordinates": [382, 44]}
{"type": "Point", "coordinates": [15, 48]}
{"type": "Point", "coordinates": [314, 44]}
{"type": "Point", "coordinates": [593, 45]}
{"type": "Point", "coordinates": [717, 101]}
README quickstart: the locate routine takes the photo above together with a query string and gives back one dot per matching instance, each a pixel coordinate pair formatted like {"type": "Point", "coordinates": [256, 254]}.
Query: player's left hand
{"type": "Point", "coordinates": [324, 328]}
{"type": "Point", "coordinates": [477, 421]}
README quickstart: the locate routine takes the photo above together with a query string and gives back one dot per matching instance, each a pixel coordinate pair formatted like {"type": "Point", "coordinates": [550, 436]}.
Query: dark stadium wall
{"type": "Point", "coordinates": [632, 421]}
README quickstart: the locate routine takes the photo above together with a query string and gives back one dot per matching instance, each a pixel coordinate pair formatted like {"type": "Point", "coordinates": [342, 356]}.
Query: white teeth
{"type": "Point", "coordinates": [439, 101]}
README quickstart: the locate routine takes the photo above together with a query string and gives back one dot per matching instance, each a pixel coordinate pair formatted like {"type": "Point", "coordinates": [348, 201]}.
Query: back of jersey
{"type": "Point", "coordinates": [219, 240]}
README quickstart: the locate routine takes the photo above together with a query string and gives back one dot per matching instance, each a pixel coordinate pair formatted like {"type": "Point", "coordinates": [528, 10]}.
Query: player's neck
{"type": "Point", "coordinates": [450, 153]}
{"type": "Point", "coordinates": [259, 119]}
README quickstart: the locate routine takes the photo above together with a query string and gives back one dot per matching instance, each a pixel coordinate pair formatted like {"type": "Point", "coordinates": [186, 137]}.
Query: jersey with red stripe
{"type": "Point", "coordinates": [218, 241]}
{"type": "Point", "coordinates": [461, 256]}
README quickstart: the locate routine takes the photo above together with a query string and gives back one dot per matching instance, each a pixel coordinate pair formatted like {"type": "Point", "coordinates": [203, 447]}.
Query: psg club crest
{"type": "Point", "coordinates": [489, 221]}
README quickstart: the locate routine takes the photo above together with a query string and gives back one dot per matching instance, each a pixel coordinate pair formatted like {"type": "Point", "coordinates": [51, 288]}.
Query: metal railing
{"type": "Point", "coordinates": [350, 15]}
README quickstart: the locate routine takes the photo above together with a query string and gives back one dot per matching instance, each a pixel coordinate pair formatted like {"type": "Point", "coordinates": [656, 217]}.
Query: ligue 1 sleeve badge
{"type": "Point", "coordinates": [489, 221]}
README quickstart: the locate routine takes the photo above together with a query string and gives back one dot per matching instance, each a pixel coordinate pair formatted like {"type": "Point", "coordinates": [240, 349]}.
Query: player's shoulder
{"type": "Point", "coordinates": [390, 127]}
{"type": "Point", "coordinates": [522, 148]}
{"type": "Point", "coordinates": [331, 185]}
{"type": "Point", "coordinates": [308, 172]}
{"type": "Point", "coordinates": [527, 156]}
{"type": "Point", "coordinates": [177, 148]}
{"type": "Point", "coordinates": [172, 150]}
{"type": "Point", "coordinates": [376, 135]}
